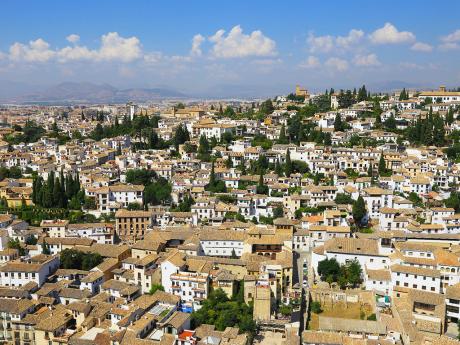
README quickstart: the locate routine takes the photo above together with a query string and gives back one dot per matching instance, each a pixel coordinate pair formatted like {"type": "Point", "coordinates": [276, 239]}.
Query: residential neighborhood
{"type": "Point", "coordinates": [229, 172]}
{"type": "Point", "coordinates": [314, 218]}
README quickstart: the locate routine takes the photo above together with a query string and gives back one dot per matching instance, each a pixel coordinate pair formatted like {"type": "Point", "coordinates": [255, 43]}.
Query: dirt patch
{"type": "Point", "coordinates": [342, 310]}
{"type": "Point", "coordinates": [269, 338]}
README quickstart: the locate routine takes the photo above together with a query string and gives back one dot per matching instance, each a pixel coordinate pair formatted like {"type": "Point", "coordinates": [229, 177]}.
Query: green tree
{"type": "Point", "coordinates": [362, 94]}
{"type": "Point", "coordinates": [359, 210]}
{"type": "Point", "coordinates": [354, 273]}
{"type": "Point", "coordinates": [370, 171]}
{"type": "Point", "coordinates": [98, 132]}
{"type": "Point", "coordinates": [15, 244]}
{"type": "Point", "coordinates": [204, 149]}
{"type": "Point", "coordinates": [341, 198]}
{"type": "Point", "coordinates": [229, 112]}
{"type": "Point", "coordinates": [278, 168]}
{"type": "Point", "coordinates": [453, 201]}
{"type": "Point", "coordinates": [415, 199]}
{"type": "Point", "coordinates": [450, 116]}
{"type": "Point", "coordinates": [382, 165]}
{"type": "Point", "coordinates": [181, 136]}
{"type": "Point", "coordinates": [390, 123]}
{"type": "Point", "coordinates": [285, 310]}
{"type": "Point", "coordinates": [155, 288]}
{"type": "Point", "coordinates": [228, 163]}
{"type": "Point", "coordinates": [215, 185]}
{"type": "Point", "coordinates": [185, 205]}
{"type": "Point", "coordinates": [288, 164]}
{"type": "Point", "coordinates": [158, 193]}
{"type": "Point", "coordinates": [315, 307]}
{"type": "Point", "coordinates": [282, 137]}
{"type": "Point", "coordinates": [140, 176]}
{"type": "Point", "coordinates": [134, 206]}
{"type": "Point", "coordinates": [45, 248]}
{"type": "Point", "coordinates": [266, 107]}
{"type": "Point", "coordinates": [458, 327]}
{"type": "Point", "coordinates": [403, 95]}
{"type": "Point", "coordinates": [218, 310]}
{"type": "Point", "coordinates": [338, 124]}
{"type": "Point", "coordinates": [278, 212]}
{"type": "Point", "coordinates": [345, 99]}
{"type": "Point", "coordinates": [75, 259]}
{"type": "Point", "coordinates": [328, 268]}
{"type": "Point", "coordinates": [261, 187]}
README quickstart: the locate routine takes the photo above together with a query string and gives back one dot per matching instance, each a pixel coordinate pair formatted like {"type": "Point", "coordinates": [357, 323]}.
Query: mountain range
{"type": "Point", "coordinates": [91, 93]}
{"type": "Point", "coordinates": [74, 92]}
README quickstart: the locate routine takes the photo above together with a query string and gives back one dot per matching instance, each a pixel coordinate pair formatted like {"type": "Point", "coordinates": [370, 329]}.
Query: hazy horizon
{"type": "Point", "coordinates": [204, 48]}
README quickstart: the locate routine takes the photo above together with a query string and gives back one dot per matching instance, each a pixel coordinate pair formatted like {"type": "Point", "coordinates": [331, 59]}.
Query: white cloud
{"type": "Point", "coordinates": [421, 47]}
{"type": "Point", "coordinates": [73, 38]}
{"type": "Point", "coordinates": [453, 37]}
{"type": "Point", "coordinates": [153, 58]}
{"type": "Point", "coordinates": [354, 36]}
{"type": "Point", "coordinates": [237, 44]}
{"type": "Point", "coordinates": [34, 51]}
{"type": "Point", "coordinates": [322, 44]}
{"type": "Point", "coordinates": [327, 43]}
{"type": "Point", "coordinates": [451, 41]}
{"type": "Point", "coordinates": [76, 53]}
{"type": "Point", "coordinates": [366, 60]}
{"type": "Point", "coordinates": [389, 34]}
{"type": "Point", "coordinates": [196, 45]}
{"type": "Point", "coordinates": [337, 64]}
{"type": "Point", "coordinates": [310, 62]}
{"type": "Point", "coordinates": [113, 48]}
{"type": "Point", "coordinates": [449, 46]}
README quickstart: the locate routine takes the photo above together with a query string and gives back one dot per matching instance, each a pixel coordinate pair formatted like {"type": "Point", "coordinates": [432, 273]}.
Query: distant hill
{"type": "Point", "coordinates": [393, 85]}
{"type": "Point", "coordinates": [72, 92]}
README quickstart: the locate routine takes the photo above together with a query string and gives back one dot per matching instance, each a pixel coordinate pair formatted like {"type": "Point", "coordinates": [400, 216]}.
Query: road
{"type": "Point", "coordinates": [298, 276]}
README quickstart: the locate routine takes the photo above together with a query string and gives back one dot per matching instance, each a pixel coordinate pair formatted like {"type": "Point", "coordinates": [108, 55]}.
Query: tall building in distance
{"type": "Point", "coordinates": [299, 91]}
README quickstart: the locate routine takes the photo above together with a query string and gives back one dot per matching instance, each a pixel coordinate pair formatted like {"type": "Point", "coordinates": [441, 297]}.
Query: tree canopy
{"type": "Point", "coordinates": [75, 259]}
{"type": "Point", "coordinates": [223, 312]}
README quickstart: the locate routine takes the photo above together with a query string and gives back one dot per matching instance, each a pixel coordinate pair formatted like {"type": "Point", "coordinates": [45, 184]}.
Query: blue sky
{"type": "Point", "coordinates": [201, 46]}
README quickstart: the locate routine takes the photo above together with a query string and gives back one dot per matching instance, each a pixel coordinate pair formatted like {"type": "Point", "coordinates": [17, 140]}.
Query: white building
{"type": "Point", "coordinates": [222, 243]}
{"type": "Point", "coordinates": [21, 272]}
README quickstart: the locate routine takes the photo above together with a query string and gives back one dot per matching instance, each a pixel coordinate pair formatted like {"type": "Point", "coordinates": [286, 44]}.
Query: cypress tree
{"type": "Point", "coordinates": [359, 210]}
{"type": "Point", "coordinates": [282, 137]}
{"type": "Point", "coordinates": [278, 168]}
{"type": "Point", "coordinates": [338, 125]}
{"type": "Point", "coordinates": [243, 167]}
{"type": "Point", "coordinates": [261, 187]}
{"type": "Point", "coordinates": [212, 176]}
{"type": "Point", "coordinates": [288, 165]}
{"type": "Point", "coordinates": [57, 194]}
{"type": "Point", "coordinates": [382, 165]}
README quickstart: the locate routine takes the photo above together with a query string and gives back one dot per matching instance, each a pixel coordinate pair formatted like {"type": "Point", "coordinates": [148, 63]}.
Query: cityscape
{"type": "Point", "coordinates": [169, 176]}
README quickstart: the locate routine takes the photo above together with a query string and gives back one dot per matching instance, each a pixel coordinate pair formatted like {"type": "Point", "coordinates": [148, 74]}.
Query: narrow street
{"type": "Point", "coordinates": [298, 276]}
